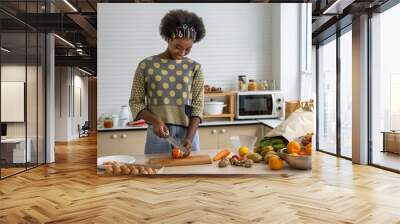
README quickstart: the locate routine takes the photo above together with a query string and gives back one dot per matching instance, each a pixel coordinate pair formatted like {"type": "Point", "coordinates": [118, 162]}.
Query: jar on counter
{"type": "Point", "coordinates": [108, 123]}
{"type": "Point", "coordinates": [252, 86]}
{"type": "Point", "coordinates": [262, 85]}
{"type": "Point", "coordinates": [242, 83]}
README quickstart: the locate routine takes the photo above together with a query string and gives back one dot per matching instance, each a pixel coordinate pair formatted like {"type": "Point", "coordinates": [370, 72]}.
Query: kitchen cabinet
{"type": "Point", "coordinates": [208, 137]}
{"type": "Point", "coordinates": [219, 137]}
{"type": "Point", "coordinates": [132, 142]}
{"type": "Point", "coordinates": [121, 142]}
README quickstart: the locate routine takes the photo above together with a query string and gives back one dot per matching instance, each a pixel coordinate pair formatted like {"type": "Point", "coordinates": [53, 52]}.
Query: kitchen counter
{"type": "Point", "coordinates": [272, 123]}
{"type": "Point", "coordinates": [213, 169]}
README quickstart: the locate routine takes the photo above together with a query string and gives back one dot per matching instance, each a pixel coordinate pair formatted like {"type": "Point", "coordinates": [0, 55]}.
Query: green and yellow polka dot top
{"type": "Point", "coordinates": [172, 89]}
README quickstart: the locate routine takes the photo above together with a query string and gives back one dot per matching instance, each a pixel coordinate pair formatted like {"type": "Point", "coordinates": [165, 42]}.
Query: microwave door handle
{"type": "Point", "coordinates": [273, 105]}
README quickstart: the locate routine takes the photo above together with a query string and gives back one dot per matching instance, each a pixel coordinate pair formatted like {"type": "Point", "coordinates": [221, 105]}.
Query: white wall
{"type": "Point", "coordinates": [66, 119]}
{"type": "Point", "coordinates": [61, 103]}
{"type": "Point", "coordinates": [276, 42]}
{"type": "Point", "coordinates": [238, 41]}
{"type": "Point", "coordinates": [81, 108]}
{"type": "Point", "coordinates": [290, 45]}
{"type": "Point", "coordinates": [259, 40]}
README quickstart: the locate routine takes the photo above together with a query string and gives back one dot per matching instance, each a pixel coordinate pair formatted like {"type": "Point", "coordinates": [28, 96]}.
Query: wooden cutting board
{"type": "Point", "coordinates": [191, 160]}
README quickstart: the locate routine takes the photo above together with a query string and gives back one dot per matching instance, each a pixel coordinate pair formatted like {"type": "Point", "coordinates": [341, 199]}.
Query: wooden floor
{"type": "Point", "coordinates": [10, 171]}
{"type": "Point", "coordinates": [387, 159]}
{"type": "Point", "coordinates": [70, 192]}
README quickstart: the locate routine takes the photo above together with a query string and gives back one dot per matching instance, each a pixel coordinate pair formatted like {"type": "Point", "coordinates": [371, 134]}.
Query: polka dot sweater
{"type": "Point", "coordinates": [171, 89]}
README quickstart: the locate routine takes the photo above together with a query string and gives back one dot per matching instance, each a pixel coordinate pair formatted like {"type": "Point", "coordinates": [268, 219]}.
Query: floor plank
{"type": "Point", "coordinates": [69, 191]}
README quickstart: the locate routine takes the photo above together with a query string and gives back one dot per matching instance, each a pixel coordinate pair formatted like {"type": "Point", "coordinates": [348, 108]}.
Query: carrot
{"type": "Point", "coordinates": [221, 154]}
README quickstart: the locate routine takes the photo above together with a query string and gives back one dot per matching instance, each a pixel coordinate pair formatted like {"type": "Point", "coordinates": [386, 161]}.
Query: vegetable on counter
{"type": "Point", "coordinates": [221, 154]}
{"type": "Point", "coordinates": [276, 142]}
{"type": "Point", "coordinates": [177, 153]}
{"type": "Point", "coordinates": [255, 157]}
{"type": "Point", "coordinates": [244, 162]}
{"type": "Point", "coordinates": [223, 162]}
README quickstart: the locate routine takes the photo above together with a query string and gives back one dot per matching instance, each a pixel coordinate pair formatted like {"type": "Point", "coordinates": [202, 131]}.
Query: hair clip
{"type": "Point", "coordinates": [184, 31]}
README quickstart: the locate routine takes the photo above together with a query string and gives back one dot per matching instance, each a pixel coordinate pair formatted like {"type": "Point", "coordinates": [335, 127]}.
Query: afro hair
{"type": "Point", "coordinates": [176, 18]}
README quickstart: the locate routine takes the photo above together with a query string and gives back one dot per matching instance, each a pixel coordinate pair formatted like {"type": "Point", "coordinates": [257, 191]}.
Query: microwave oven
{"type": "Point", "coordinates": [259, 104]}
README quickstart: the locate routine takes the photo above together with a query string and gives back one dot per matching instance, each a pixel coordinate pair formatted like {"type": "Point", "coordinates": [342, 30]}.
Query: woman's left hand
{"type": "Point", "coordinates": [187, 143]}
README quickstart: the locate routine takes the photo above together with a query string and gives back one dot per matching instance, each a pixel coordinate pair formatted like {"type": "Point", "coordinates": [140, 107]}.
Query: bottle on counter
{"type": "Point", "coordinates": [100, 121]}
{"type": "Point", "coordinates": [252, 86]}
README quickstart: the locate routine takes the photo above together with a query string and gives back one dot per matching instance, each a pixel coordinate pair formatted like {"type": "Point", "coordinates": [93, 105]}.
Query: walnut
{"type": "Point", "coordinates": [248, 163]}
{"type": "Point", "coordinates": [223, 162]}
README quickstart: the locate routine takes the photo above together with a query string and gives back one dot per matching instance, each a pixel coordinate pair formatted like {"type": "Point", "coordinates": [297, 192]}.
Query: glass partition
{"type": "Point", "coordinates": [22, 64]}
{"type": "Point", "coordinates": [13, 94]}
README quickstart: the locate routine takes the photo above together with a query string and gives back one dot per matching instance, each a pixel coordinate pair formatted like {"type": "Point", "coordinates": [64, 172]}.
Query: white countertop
{"type": "Point", "coordinates": [207, 169]}
{"type": "Point", "coordinates": [13, 140]}
{"type": "Point", "coordinates": [272, 123]}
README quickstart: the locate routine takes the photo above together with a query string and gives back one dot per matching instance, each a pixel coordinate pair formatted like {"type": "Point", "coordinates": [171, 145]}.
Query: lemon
{"type": "Point", "coordinates": [243, 151]}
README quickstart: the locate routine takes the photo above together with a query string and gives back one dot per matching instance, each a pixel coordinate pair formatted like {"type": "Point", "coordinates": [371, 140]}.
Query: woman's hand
{"type": "Point", "coordinates": [187, 143]}
{"type": "Point", "coordinates": [160, 129]}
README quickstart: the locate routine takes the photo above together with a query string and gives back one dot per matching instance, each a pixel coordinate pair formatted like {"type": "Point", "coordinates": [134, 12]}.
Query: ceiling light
{"type": "Point", "coordinates": [84, 71]}
{"type": "Point", "coordinates": [65, 41]}
{"type": "Point", "coordinates": [326, 11]}
{"type": "Point", "coordinates": [5, 50]}
{"type": "Point", "coordinates": [70, 5]}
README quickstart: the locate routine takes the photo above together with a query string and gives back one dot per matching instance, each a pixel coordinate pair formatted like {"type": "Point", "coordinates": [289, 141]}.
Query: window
{"type": "Point", "coordinates": [346, 94]}
{"type": "Point", "coordinates": [327, 97]}
{"type": "Point", "coordinates": [334, 99]}
{"type": "Point", "coordinates": [385, 88]}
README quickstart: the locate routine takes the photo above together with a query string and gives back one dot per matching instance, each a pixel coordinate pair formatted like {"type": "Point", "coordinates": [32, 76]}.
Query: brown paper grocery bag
{"type": "Point", "coordinates": [298, 124]}
{"type": "Point", "coordinates": [290, 107]}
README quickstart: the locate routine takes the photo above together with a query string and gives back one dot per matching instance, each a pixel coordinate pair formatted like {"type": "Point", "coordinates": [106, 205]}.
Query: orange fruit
{"type": "Point", "coordinates": [293, 147]}
{"type": "Point", "coordinates": [275, 163]}
{"type": "Point", "coordinates": [176, 153]}
{"type": "Point", "coordinates": [308, 149]}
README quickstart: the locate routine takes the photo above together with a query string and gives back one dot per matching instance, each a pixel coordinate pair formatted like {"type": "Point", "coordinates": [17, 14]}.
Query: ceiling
{"type": "Point", "coordinates": [332, 15]}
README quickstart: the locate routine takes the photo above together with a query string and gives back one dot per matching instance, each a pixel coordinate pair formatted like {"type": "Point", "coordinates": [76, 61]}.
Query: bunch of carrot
{"type": "Point", "coordinates": [221, 154]}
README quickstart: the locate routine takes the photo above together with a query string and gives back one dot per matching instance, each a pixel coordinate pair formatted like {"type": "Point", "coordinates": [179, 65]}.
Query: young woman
{"type": "Point", "coordinates": [167, 90]}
